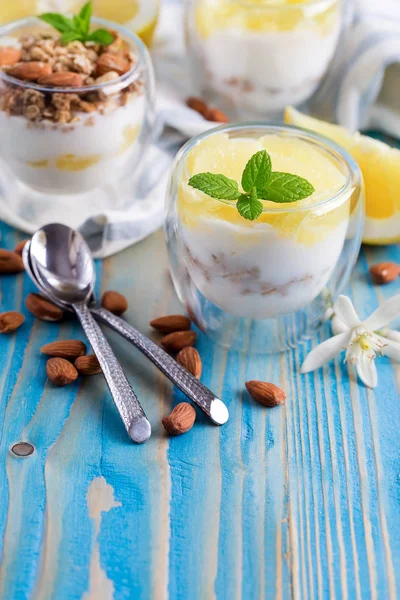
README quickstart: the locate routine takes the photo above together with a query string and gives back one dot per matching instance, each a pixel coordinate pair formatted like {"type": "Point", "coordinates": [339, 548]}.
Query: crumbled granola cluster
{"type": "Point", "coordinates": [89, 63]}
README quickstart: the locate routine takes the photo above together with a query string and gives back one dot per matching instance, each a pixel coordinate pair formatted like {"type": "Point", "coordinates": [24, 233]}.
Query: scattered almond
{"type": "Point", "coordinates": [384, 272]}
{"type": "Point", "coordinates": [265, 393]}
{"type": "Point", "coordinates": [107, 77]}
{"type": "Point", "coordinates": [180, 420]}
{"type": "Point", "coordinates": [10, 321]}
{"type": "Point", "coordinates": [61, 371]}
{"type": "Point", "coordinates": [110, 61]}
{"type": "Point", "coordinates": [30, 71]}
{"type": "Point", "coordinates": [190, 359]}
{"type": "Point", "coordinates": [171, 323]}
{"type": "Point", "coordinates": [20, 246]}
{"type": "Point", "coordinates": [9, 56]}
{"type": "Point", "coordinates": [69, 349]}
{"type": "Point", "coordinates": [216, 115]}
{"type": "Point", "coordinates": [43, 309]}
{"type": "Point", "coordinates": [88, 365]}
{"type": "Point", "coordinates": [114, 302]}
{"type": "Point", "coordinates": [175, 342]}
{"type": "Point", "coordinates": [198, 105]}
{"type": "Point", "coordinates": [10, 262]}
{"type": "Point", "coordinates": [63, 79]}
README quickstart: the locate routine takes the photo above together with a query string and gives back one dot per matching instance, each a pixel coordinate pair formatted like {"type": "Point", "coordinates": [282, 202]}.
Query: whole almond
{"type": "Point", "coordinates": [69, 349]}
{"type": "Point", "coordinates": [171, 323]}
{"type": "Point", "coordinates": [20, 246]}
{"type": "Point", "coordinates": [110, 61]}
{"type": "Point", "coordinates": [10, 262]}
{"type": "Point", "coordinates": [88, 365]}
{"type": "Point", "coordinates": [30, 71]}
{"type": "Point", "coordinates": [9, 56]}
{"type": "Point", "coordinates": [114, 302]}
{"type": "Point", "coordinates": [61, 371]}
{"type": "Point", "coordinates": [175, 342]}
{"type": "Point", "coordinates": [384, 272]}
{"type": "Point", "coordinates": [198, 105]}
{"type": "Point", "coordinates": [43, 309]}
{"type": "Point", "coordinates": [180, 420]}
{"type": "Point", "coordinates": [10, 321]}
{"type": "Point", "coordinates": [62, 79]}
{"type": "Point", "coordinates": [190, 359]}
{"type": "Point", "coordinates": [216, 115]}
{"type": "Point", "coordinates": [267, 394]}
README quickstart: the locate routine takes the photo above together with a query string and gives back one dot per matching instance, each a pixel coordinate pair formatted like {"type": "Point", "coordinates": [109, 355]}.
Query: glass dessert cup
{"type": "Point", "coordinates": [263, 285]}
{"type": "Point", "coordinates": [254, 57]}
{"type": "Point", "coordinates": [74, 143]}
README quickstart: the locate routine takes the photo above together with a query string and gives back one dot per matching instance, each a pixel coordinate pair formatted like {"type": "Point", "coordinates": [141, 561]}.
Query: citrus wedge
{"type": "Point", "coordinates": [380, 165]}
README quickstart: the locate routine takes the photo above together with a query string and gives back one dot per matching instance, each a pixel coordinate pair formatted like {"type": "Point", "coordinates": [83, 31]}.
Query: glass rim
{"type": "Point", "coordinates": [288, 7]}
{"type": "Point", "coordinates": [339, 153]}
{"type": "Point", "coordinates": [126, 78]}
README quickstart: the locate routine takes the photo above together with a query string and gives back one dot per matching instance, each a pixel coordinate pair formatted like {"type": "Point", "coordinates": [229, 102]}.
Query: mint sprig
{"type": "Point", "coordinates": [77, 28]}
{"type": "Point", "coordinates": [259, 182]}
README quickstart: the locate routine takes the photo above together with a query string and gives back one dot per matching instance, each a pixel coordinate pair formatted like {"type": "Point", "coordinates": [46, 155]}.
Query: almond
{"type": "Point", "coordinates": [114, 302]}
{"type": "Point", "coordinates": [267, 394]}
{"type": "Point", "coordinates": [20, 246]}
{"type": "Point", "coordinates": [174, 342]}
{"type": "Point", "coordinates": [10, 321]}
{"type": "Point", "coordinates": [171, 323]}
{"type": "Point", "coordinates": [9, 56]}
{"type": "Point", "coordinates": [61, 371]}
{"type": "Point", "coordinates": [384, 272]}
{"type": "Point", "coordinates": [43, 309]}
{"type": "Point", "coordinates": [69, 349]}
{"type": "Point", "coordinates": [88, 365]}
{"type": "Point", "coordinates": [198, 105]}
{"type": "Point", "coordinates": [62, 79]}
{"type": "Point", "coordinates": [216, 115]}
{"type": "Point", "coordinates": [180, 420]}
{"type": "Point", "coordinates": [30, 71]}
{"type": "Point", "coordinates": [190, 359]}
{"type": "Point", "coordinates": [10, 262]}
{"type": "Point", "coordinates": [110, 61]}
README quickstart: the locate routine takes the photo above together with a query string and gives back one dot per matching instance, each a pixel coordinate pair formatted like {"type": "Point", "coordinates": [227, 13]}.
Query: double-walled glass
{"type": "Point", "coordinates": [73, 143]}
{"type": "Point", "coordinates": [264, 285]}
{"type": "Point", "coordinates": [253, 58]}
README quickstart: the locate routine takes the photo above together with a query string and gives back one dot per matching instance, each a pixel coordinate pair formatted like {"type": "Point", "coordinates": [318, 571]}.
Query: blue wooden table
{"type": "Point", "coordinates": [301, 501]}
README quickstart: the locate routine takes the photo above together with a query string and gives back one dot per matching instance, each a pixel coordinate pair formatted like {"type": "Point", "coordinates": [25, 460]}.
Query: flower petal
{"type": "Point", "coordinates": [345, 311]}
{"type": "Point", "coordinates": [325, 352]}
{"type": "Point", "coordinates": [384, 314]}
{"type": "Point", "coordinates": [366, 370]}
{"type": "Point", "coordinates": [390, 348]}
{"type": "Point", "coordinates": [392, 334]}
{"type": "Point", "coordinates": [338, 326]}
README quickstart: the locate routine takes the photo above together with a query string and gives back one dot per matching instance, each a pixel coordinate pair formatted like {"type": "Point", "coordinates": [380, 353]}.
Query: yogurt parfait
{"type": "Point", "coordinates": [254, 57]}
{"type": "Point", "coordinates": [262, 250]}
{"type": "Point", "coordinates": [75, 109]}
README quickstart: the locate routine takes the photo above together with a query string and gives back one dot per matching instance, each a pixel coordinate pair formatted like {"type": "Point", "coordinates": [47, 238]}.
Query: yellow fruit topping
{"type": "Point", "coordinates": [38, 164]}
{"type": "Point", "coordinates": [71, 162]}
{"type": "Point", "coordinates": [380, 166]}
{"type": "Point", "coordinates": [131, 133]}
{"type": "Point", "coordinates": [264, 15]}
{"type": "Point", "coordinates": [227, 155]}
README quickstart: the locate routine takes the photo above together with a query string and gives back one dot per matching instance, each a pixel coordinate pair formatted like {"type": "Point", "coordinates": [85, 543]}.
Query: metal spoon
{"type": "Point", "coordinates": [189, 385]}
{"type": "Point", "coordinates": [62, 263]}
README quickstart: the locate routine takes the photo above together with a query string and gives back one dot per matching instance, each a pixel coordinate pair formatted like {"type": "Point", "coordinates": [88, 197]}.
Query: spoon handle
{"type": "Point", "coordinates": [189, 385]}
{"type": "Point", "coordinates": [129, 408]}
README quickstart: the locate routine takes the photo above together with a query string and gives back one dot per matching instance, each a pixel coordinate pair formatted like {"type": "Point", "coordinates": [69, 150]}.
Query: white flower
{"type": "Point", "coordinates": [363, 341]}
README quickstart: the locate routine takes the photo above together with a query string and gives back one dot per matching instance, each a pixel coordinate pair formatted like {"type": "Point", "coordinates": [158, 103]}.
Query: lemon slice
{"type": "Point", "coordinates": [380, 165]}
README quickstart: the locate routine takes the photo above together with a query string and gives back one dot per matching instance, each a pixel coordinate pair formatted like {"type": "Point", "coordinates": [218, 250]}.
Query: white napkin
{"type": "Point", "coordinates": [362, 90]}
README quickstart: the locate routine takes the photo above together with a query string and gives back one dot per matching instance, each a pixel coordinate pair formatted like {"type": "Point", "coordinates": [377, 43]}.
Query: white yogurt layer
{"type": "Point", "coordinates": [257, 272]}
{"type": "Point", "coordinates": [262, 72]}
{"type": "Point", "coordinates": [76, 157]}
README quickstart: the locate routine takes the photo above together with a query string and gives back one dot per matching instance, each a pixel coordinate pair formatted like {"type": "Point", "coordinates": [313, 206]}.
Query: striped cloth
{"type": "Point", "coordinates": [361, 90]}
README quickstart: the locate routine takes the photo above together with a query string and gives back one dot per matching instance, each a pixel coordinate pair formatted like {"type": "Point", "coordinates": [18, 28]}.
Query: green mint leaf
{"type": "Point", "coordinates": [85, 15]}
{"type": "Point", "coordinates": [59, 22]}
{"type": "Point", "coordinates": [249, 206]}
{"type": "Point", "coordinates": [257, 171]}
{"type": "Point", "coordinates": [285, 187]}
{"type": "Point", "coordinates": [101, 36]}
{"type": "Point", "coordinates": [79, 26]}
{"type": "Point", "coordinates": [216, 186]}
{"type": "Point", "coordinates": [70, 36]}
